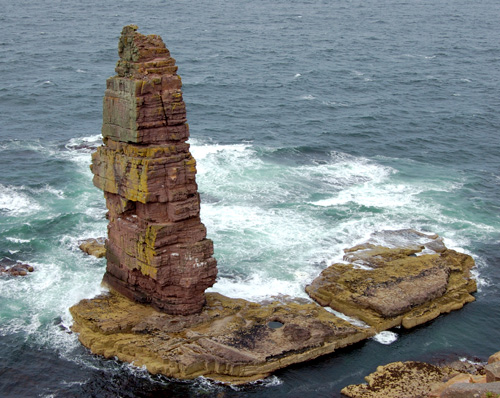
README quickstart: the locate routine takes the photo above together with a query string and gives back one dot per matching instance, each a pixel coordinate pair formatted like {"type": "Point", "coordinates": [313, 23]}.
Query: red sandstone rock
{"type": "Point", "coordinates": [12, 268]}
{"type": "Point", "coordinates": [157, 251]}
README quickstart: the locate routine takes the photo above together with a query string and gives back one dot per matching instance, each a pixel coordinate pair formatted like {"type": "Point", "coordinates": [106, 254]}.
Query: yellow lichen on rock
{"type": "Point", "coordinates": [231, 340]}
{"type": "Point", "coordinates": [399, 379]}
{"type": "Point", "coordinates": [387, 287]}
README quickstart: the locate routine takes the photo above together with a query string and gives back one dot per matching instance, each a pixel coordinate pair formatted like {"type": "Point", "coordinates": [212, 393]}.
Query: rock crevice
{"type": "Point", "coordinates": [157, 251]}
{"type": "Point", "coordinates": [157, 254]}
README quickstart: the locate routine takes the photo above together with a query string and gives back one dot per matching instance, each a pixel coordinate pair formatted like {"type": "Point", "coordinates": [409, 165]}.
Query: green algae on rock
{"type": "Point", "coordinates": [231, 340]}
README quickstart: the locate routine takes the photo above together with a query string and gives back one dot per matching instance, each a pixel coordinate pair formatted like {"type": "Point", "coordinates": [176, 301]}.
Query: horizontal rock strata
{"type": "Point", "coordinates": [391, 286]}
{"type": "Point", "coordinates": [94, 247]}
{"type": "Point", "coordinates": [419, 380]}
{"type": "Point", "coordinates": [399, 379]}
{"type": "Point", "coordinates": [231, 340]}
{"type": "Point", "coordinates": [157, 251]}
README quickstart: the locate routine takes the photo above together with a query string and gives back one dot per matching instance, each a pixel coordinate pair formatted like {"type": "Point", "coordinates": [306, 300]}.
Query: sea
{"type": "Point", "coordinates": [314, 124]}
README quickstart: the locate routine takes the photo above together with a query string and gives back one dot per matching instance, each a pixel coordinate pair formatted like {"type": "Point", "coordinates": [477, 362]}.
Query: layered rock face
{"type": "Point", "coordinates": [231, 340]}
{"type": "Point", "coordinates": [408, 284]}
{"type": "Point", "coordinates": [157, 251]}
{"type": "Point", "coordinates": [457, 379]}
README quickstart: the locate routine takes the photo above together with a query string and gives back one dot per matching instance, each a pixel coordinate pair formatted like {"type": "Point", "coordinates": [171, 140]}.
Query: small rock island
{"type": "Point", "coordinates": [159, 261]}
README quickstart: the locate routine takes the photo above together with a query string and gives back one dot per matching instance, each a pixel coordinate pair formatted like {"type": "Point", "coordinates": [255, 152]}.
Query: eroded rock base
{"type": "Point", "coordinates": [231, 340]}
{"type": "Point", "coordinates": [156, 250]}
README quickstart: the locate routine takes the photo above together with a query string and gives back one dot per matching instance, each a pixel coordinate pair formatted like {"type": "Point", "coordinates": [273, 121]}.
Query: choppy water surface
{"type": "Point", "coordinates": [313, 123]}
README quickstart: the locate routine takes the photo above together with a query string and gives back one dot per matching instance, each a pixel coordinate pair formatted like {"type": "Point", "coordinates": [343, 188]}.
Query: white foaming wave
{"type": "Point", "coordinates": [350, 319]}
{"type": "Point", "coordinates": [202, 151]}
{"type": "Point", "coordinates": [258, 287]}
{"type": "Point", "coordinates": [48, 189]}
{"type": "Point", "coordinates": [90, 141]}
{"type": "Point", "coordinates": [34, 146]}
{"type": "Point", "coordinates": [360, 181]}
{"type": "Point", "coordinates": [79, 150]}
{"type": "Point", "coordinates": [277, 250]}
{"type": "Point", "coordinates": [17, 240]}
{"type": "Point", "coordinates": [15, 202]}
{"type": "Point", "coordinates": [371, 195]}
{"type": "Point", "coordinates": [271, 381]}
{"type": "Point", "coordinates": [281, 248]}
{"type": "Point", "coordinates": [307, 97]}
{"type": "Point", "coordinates": [19, 325]}
{"type": "Point", "coordinates": [48, 293]}
{"type": "Point", "coordinates": [419, 56]}
{"type": "Point", "coordinates": [334, 104]}
{"type": "Point", "coordinates": [234, 170]}
{"type": "Point", "coordinates": [387, 337]}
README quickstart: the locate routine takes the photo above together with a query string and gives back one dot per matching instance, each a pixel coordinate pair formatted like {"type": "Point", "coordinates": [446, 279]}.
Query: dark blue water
{"type": "Point", "coordinates": [314, 124]}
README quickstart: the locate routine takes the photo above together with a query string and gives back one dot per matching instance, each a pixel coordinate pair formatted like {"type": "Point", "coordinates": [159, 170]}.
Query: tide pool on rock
{"type": "Point", "coordinates": [231, 340]}
{"type": "Point", "coordinates": [157, 254]}
{"type": "Point", "coordinates": [313, 124]}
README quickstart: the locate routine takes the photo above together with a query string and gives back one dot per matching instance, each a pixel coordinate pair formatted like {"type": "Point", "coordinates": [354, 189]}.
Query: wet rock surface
{"type": "Point", "coordinates": [388, 286]}
{"type": "Point", "coordinates": [159, 261]}
{"type": "Point", "coordinates": [94, 247]}
{"type": "Point", "coordinates": [230, 340]}
{"type": "Point", "coordinates": [13, 268]}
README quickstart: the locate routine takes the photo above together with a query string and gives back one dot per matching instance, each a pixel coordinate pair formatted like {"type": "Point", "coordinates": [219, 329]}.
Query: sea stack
{"type": "Point", "coordinates": [157, 251]}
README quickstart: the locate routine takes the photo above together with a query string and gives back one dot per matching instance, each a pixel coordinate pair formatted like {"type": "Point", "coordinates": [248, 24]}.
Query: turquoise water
{"type": "Point", "coordinates": [313, 124]}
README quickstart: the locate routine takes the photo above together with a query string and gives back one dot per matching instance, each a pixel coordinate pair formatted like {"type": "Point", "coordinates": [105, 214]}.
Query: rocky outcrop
{"type": "Point", "coordinates": [13, 268]}
{"type": "Point", "coordinates": [157, 251]}
{"type": "Point", "coordinates": [391, 286]}
{"type": "Point", "coordinates": [94, 247]}
{"type": "Point", "coordinates": [230, 340]}
{"type": "Point", "coordinates": [419, 380]}
{"type": "Point", "coordinates": [159, 261]}
{"type": "Point", "coordinates": [399, 379]}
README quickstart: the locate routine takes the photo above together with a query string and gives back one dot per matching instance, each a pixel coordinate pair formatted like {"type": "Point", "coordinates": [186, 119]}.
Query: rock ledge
{"type": "Point", "coordinates": [231, 340]}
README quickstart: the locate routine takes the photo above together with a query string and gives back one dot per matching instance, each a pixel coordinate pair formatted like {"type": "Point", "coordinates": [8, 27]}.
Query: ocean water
{"type": "Point", "coordinates": [314, 123]}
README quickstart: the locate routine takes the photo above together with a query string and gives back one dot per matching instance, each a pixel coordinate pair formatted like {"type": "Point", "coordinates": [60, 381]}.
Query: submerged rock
{"type": "Point", "coordinates": [391, 286]}
{"type": "Point", "coordinates": [230, 340]}
{"type": "Point", "coordinates": [157, 251]}
{"type": "Point", "coordinates": [94, 247]}
{"type": "Point", "coordinates": [12, 268]}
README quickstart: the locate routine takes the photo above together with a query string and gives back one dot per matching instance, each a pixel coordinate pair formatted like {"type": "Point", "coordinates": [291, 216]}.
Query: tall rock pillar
{"type": "Point", "coordinates": [157, 251]}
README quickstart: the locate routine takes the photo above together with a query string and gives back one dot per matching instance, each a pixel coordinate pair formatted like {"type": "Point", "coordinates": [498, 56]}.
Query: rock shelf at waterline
{"type": "Point", "coordinates": [232, 340]}
{"type": "Point", "coordinates": [159, 262]}
{"type": "Point", "coordinates": [407, 284]}
{"type": "Point", "coordinates": [457, 379]}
